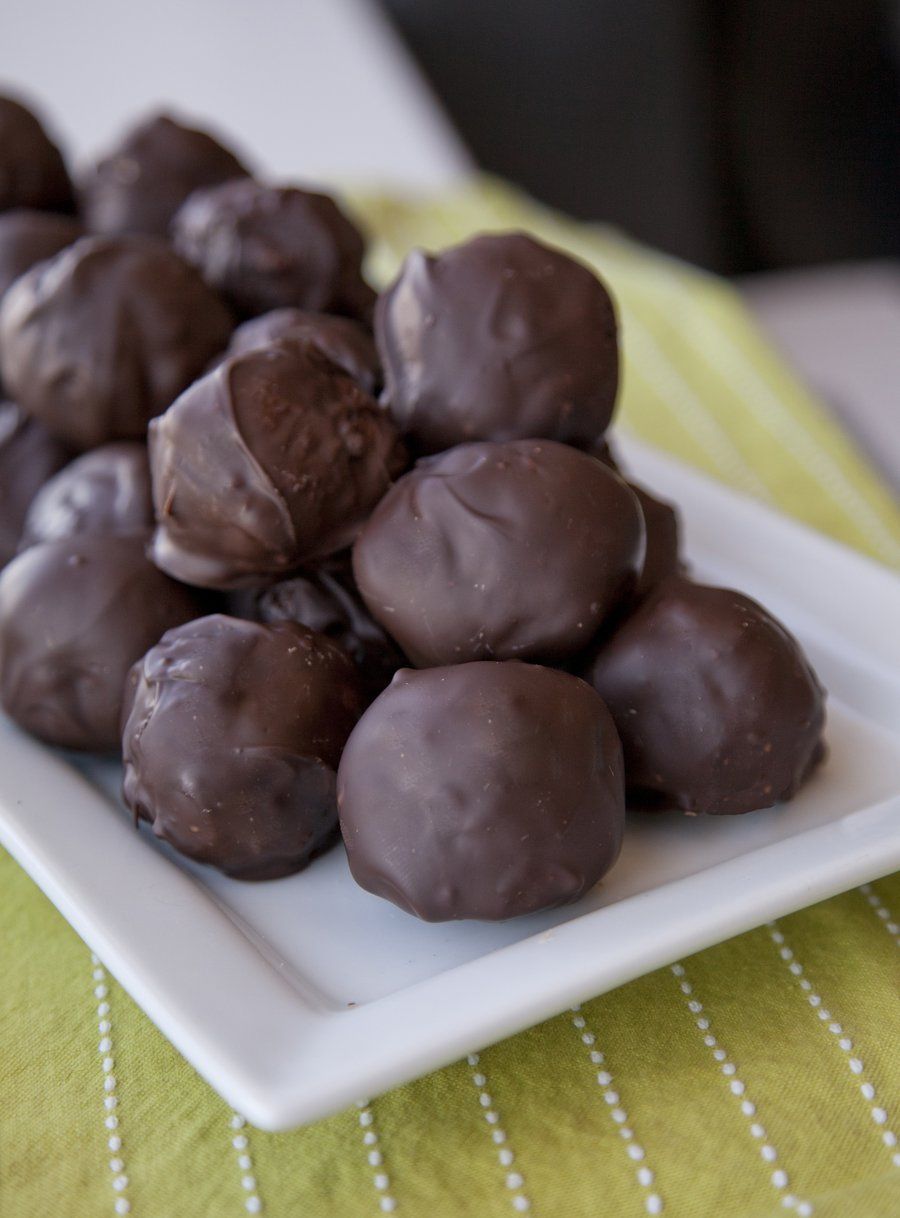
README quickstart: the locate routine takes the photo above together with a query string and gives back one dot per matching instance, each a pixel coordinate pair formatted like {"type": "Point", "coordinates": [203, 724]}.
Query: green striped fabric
{"type": "Point", "coordinates": [760, 1077]}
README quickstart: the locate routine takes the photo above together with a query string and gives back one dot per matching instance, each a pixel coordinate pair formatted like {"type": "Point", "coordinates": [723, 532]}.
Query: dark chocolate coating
{"type": "Point", "coordinates": [500, 338]}
{"type": "Point", "coordinates": [326, 600]}
{"type": "Point", "coordinates": [74, 616]}
{"type": "Point", "coordinates": [105, 493]}
{"type": "Point", "coordinates": [482, 790]}
{"type": "Point", "coordinates": [29, 455]}
{"type": "Point", "coordinates": [346, 342]}
{"type": "Point", "coordinates": [661, 556]}
{"type": "Point", "coordinates": [104, 336]}
{"type": "Point", "coordinates": [32, 171]}
{"type": "Point", "coordinates": [717, 707]}
{"type": "Point", "coordinates": [27, 237]}
{"type": "Point", "coordinates": [500, 551]}
{"type": "Point", "coordinates": [269, 462]}
{"type": "Point", "coordinates": [271, 247]}
{"type": "Point", "coordinates": [139, 186]}
{"type": "Point", "coordinates": [232, 739]}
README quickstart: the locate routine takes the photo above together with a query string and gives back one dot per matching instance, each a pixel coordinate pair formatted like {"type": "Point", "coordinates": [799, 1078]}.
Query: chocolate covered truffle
{"type": "Point", "coordinates": [32, 171]}
{"type": "Point", "coordinates": [500, 338]}
{"type": "Point", "coordinates": [326, 600]}
{"type": "Point", "coordinates": [717, 707]}
{"type": "Point", "coordinates": [661, 555]}
{"type": "Point", "coordinates": [267, 463]}
{"type": "Point", "coordinates": [74, 616]}
{"type": "Point", "coordinates": [141, 184]}
{"type": "Point", "coordinates": [105, 493]}
{"type": "Point", "coordinates": [232, 738]}
{"type": "Point", "coordinates": [346, 342]}
{"type": "Point", "coordinates": [29, 455]}
{"type": "Point", "coordinates": [104, 336]}
{"type": "Point", "coordinates": [268, 247]}
{"type": "Point", "coordinates": [501, 551]}
{"type": "Point", "coordinates": [483, 790]}
{"type": "Point", "coordinates": [27, 237]}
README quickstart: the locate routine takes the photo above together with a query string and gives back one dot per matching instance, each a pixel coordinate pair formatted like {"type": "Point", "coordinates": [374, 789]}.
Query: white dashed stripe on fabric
{"type": "Point", "coordinates": [513, 1178]}
{"type": "Point", "coordinates": [778, 1177]}
{"type": "Point", "coordinates": [881, 911]}
{"type": "Point", "coordinates": [240, 1140]}
{"type": "Point", "coordinates": [844, 1043]}
{"type": "Point", "coordinates": [375, 1157]}
{"type": "Point", "coordinates": [119, 1180]}
{"type": "Point", "coordinates": [644, 1174]}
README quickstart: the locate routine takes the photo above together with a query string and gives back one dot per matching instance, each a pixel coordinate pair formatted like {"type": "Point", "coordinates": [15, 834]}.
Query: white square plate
{"type": "Point", "coordinates": [294, 998]}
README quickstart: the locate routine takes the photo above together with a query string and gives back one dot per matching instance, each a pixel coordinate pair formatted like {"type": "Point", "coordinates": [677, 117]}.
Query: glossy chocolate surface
{"type": "Point", "coordinates": [74, 616]}
{"type": "Point", "coordinates": [483, 790]}
{"type": "Point", "coordinates": [500, 338]}
{"type": "Point", "coordinates": [104, 336]}
{"type": "Point", "coordinates": [346, 342]}
{"type": "Point", "coordinates": [232, 738]}
{"type": "Point", "coordinates": [717, 707]}
{"type": "Point", "coordinates": [270, 247]}
{"type": "Point", "coordinates": [139, 186]}
{"type": "Point", "coordinates": [29, 455]}
{"type": "Point", "coordinates": [500, 551]}
{"type": "Point", "coordinates": [105, 492]}
{"type": "Point", "coordinates": [269, 462]}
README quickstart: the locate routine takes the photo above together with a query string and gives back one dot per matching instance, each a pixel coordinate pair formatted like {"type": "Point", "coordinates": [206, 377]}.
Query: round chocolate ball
{"type": "Point", "coordinates": [32, 170]}
{"type": "Point", "coordinates": [27, 237]}
{"type": "Point", "coordinates": [269, 247]}
{"type": "Point", "coordinates": [500, 338]}
{"type": "Point", "coordinates": [29, 455]}
{"type": "Point", "coordinates": [232, 739]}
{"type": "Point", "coordinates": [104, 336]}
{"type": "Point", "coordinates": [661, 555]}
{"type": "Point", "coordinates": [140, 185]}
{"type": "Point", "coordinates": [500, 551]}
{"type": "Point", "coordinates": [105, 493]}
{"type": "Point", "coordinates": [269, 462]}
{"type": "Point", "coordinates": [483, 790]}
{"type": "Point", "coordinates": [346, 342]}
{"type": "Point", "coordinates": [718, 708]}
{"type": "Point", "coordinates": [326, 600]}
{"type": "Point", "coordinates": [74, 616]}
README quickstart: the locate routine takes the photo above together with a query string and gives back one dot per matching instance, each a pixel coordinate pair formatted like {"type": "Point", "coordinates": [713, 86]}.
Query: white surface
{"type": "Point", "coordinates": [309, 89]}
{"type": "Point", "coordinates": [295, 997]}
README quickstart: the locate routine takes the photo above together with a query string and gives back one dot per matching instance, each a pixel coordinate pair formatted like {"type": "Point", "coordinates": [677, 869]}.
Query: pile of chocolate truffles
{"type": "Point", "coordinates": [316, 560]}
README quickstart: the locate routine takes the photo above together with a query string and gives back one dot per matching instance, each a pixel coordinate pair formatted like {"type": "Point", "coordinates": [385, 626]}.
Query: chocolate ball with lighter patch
{"type": "Point", "coordinates": [29, 455]}
{"type": "Point", "coordinates": [105, 492]}
{"type": "Point", "coordinates": [270, 247]}
{"type": "Point", "coordinates": [32, 171]}
{"type": "Point", "coordinates": [28, 237]}
{"type": "Point", "coordinates": [500, 338]}
{"type": "Point", "coordinates": [325, 599]}
{"type": "Point", "coordinates": [718, 709]}
{"type": "Point", "coordinates": [484, 790]}
{"type": "Point", "coordinates": [74, 616]}
{"type": "Point", "coordinates": [345, 341]}
{"type": "Point", "coordinates": [139, 186]}
{"type": "Point", "coordinates": [500, 551]}
{"type": "Point", "coordinates": [102, 337]}
{"type": "Point", "coordinates": [270, 462]}
{"type": "Point", "coordinates": [231, 740]}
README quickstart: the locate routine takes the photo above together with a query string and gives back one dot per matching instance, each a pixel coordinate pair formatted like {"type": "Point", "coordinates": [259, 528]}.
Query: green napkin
{"type": "Point", "coordinates": [760, 1077]}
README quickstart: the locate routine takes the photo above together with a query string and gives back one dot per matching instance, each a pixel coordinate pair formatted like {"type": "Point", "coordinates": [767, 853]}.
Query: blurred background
{"type": "Point", "coordinates": [743, 135]}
